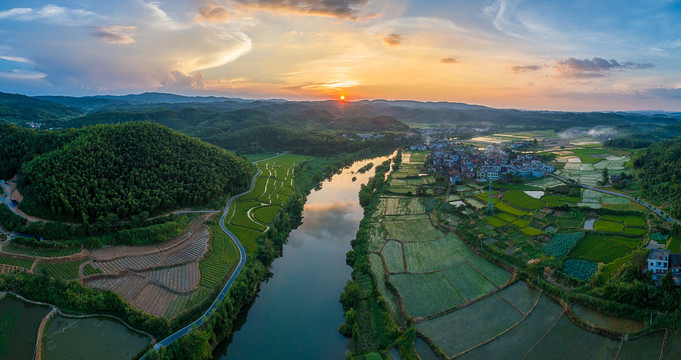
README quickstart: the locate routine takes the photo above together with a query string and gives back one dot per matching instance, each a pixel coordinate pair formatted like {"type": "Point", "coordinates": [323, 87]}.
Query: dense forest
{"type": "Point", "coordinates": [118, 171]}
{"type": "Point", "coordinates": [638, 137]}
{"type": "Point", "coordinates": [17, 109]}
{"type": "Point", "coordinates": [660, 174]}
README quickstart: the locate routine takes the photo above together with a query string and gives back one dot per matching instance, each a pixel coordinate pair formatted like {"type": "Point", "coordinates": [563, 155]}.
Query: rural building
{"type": "Point", "coordinates": [658, 261]}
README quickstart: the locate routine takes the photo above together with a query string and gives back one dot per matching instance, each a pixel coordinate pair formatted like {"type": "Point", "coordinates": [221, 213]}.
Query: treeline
{"type": "Point", "coordinates": [642, 136]}
{"type": "Point", "coordinates": [119, 171]}
{"type": "Point", "coordinates": [140, 230]}
{"type": "Point", "coordinates": [19, 145]}
{"type": "Point", "coordinates": [280, 138]}
{"type": "Point", "coordinates": [367, 320]}
{"type": "Point", "coordinates": [9, 220]}
{"type": "Point", "coordinates": [660, 173]}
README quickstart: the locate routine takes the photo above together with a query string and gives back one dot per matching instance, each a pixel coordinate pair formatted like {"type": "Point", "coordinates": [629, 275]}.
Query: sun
{"type": "Point", "coordinates": [342, 98]}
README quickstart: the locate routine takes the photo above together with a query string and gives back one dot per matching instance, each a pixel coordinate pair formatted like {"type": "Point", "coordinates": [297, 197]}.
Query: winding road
{"type": "Point", "coordinates": [649, 206]}
{"type": "Point", "coordinates": [242, 260]}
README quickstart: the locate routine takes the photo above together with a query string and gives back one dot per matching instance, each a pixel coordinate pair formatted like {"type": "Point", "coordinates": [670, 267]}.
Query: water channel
{"type": "Point", "coordinates": [297, 313]}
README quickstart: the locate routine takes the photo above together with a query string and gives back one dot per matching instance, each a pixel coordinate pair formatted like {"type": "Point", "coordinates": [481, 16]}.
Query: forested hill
{"type": "Point", "coordinates": [118, 170]}
{"type": "Point", "coordinates": [18, 109]}
{"type": "Point", "coordinates": [660, 174]}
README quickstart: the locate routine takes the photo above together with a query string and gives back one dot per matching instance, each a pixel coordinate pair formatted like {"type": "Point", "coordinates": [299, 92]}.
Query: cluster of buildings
{"type": "Point", "coordinates": [462, 163]}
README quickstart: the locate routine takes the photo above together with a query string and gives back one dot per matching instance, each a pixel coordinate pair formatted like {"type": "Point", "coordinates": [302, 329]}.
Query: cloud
{"type": "Point", "coordinates": [50, 13]}
{"type": "Point", "coordinates": [177, 80]}
{"type": "Point", "coordinates": [16, 59]}
{"type": "Point", "coordinates": [596, 67]}
{"type": "Point", "coordinates": [16, 74]}
{"type": "Point", "coordinates": [213, 14]}
{"type": "Point", "coordinates": [517, 69]}
{"type": "Point", "coordinates": [335, 8]}
{"type": "Point", "coordinates": [449, 60]}
{"type": "Point", "coordinates": [393, 39]}
{"type": "Point", "coordinates": [667, 93]}
{"type": "Point", "coordinates": [116, 34]}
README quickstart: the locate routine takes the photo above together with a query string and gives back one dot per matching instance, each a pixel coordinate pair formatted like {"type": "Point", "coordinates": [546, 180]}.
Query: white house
{"type": "Point", "coordinates": [658, 261]}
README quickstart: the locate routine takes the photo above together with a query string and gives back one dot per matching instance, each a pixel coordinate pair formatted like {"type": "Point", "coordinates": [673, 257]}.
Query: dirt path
{"type": "Point", "coordinates": [41, 330]}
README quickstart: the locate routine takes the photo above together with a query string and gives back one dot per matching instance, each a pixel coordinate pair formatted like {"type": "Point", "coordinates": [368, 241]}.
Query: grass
{"type": "Point", "coordinates": [426, 294]}
{"type": "Point", "coordinates": [510, 209]}
{"type": "Point", "coordinates": [62, 271]}
{"type": "Point", "coordinates": [436, 255]}
{"type": "Point", "coordinates": [411, 230]}
{"type": "Point", "coordinates": [17, 249]}
{"type": "Point", "coordinates": [609, 269]}
{"type": "Point", "coordinates": [519, 199]}
{"type": "Point", "coordinates": [608, 226]}
{"type": "Point", "coordinates": [221, 256]}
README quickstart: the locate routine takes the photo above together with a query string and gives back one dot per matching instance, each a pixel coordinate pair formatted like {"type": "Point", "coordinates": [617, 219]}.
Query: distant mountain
{"type": "Point", "coordinates": [19, 109]}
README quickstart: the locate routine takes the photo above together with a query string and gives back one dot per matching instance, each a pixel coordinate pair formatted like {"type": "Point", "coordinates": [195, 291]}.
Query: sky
{"type": "Point", "coordinates": [578, 55]}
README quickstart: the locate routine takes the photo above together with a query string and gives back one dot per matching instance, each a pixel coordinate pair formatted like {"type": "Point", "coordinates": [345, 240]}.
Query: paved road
{"type": "Point", "coordinates": [242, 260]}
{"type": "Point", "coordinates": [649, 206]}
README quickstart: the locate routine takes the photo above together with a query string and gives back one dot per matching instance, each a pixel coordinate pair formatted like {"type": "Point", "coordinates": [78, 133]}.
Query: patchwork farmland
{"type": "Point", "coordinates": [168, 278]}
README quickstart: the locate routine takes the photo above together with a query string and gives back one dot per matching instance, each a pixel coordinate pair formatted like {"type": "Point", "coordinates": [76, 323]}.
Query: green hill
{"type": "Point", "coordinates": [122, 170]}
{"type": "Point", "coordinates": [19, 109]}
{"type": "Point", "coordinates": [660, 174]}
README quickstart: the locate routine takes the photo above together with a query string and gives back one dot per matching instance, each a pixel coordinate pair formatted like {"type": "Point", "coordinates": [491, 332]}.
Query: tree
{"type": "Point", "coordinates": [606, 177]}
{"type": "Point", "coordinates": [667, 283]}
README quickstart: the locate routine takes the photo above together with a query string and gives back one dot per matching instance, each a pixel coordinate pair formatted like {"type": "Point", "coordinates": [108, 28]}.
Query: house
{"type": "Point", "coordinates": [658, 261]}
{"type": "Point", "coordinates": [675, 264]}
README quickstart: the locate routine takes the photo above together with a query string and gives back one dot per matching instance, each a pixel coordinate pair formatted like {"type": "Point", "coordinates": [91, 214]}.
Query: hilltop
{"type": "Point", "coordinates": [117, 170]}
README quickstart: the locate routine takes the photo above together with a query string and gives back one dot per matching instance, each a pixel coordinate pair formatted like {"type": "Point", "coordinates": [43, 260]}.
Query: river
{"type": "Point", "coordinates": [297, 313]}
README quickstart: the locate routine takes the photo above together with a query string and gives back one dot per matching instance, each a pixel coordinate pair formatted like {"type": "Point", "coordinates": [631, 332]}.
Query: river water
{"type": "Point", "coordinates": [297, 313]}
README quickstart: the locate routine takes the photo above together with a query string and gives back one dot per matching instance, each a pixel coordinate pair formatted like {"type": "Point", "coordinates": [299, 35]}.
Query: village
{"type": "Point", "coordinates": [461, 163]}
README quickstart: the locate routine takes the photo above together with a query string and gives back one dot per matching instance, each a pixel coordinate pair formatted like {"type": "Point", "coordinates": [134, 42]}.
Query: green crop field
{"type": "Point", "coordinates": [411, 230]}
{"type": "Point", "coordinates": [266, 214]}
{"type": "Point", "coordinates": [26, 264]}
{"type": "Point", "coordinates": [392, 253]}
{"type": "Point", "coordinates": [426, 294]}
{"type": "Point", "coordinates": [631, 243]}
{"type": "Point", "coordinates": [605, 251]}
{"type": "Point", "coordinates": [458, 331]}
{"type": "Point", "coordinates": [90, 270]}
{"type": "Point", "coordinates": [635, 231]}
{"type": "Point", "coordinates": [521, 296]}
{"type": "Point", "coordinates": [17, 249]}
{"type": "Point", "coordinates": [530, 231]}
{"type": "Point", "coordinates": [673, 347]}
{"type": "Point", "coordinates": [647, 347]}
{"type": "Point", "coordinates": [436, 255]}
{"type": "Point", "coordinates": [470, 284]}
{"type": "Point", "coordinates": [593, 317]}
{"type": "Point", "coordinates": [608, 226]}
{"type": "Point", "coordinates": [579, 269]}
{"type": "Point", "coordinates": [510, 209]}
{"type": "Point", "coordinates": [613, 218]}
{"type": "Point", "coordinates": [517, 342]}
{"type": "Point", "coordinates": [674, 244]}
{"type": "Point", "coordinates": [499, 276]}
{"type": "Point", "coordinates": [247, 237]}
{"type": "Point", "coordinates": [221, 256]}
{"type": "Point", "coordinates": [239, 216]}
{"type": "Point", "coordinates": [611, 268]}
{"type": "Point", "coordinates": [581, 345]}
{"type": "Point", "coordinates": [584, 155]}
{"type": "Point", "coordinates": [571, 220]}
{"type": "Point", "coordinates": [506, 217]}
{"type": "Point", "coordinates": [519, 199]}
{"type": "Point", "coordinates": [521, 223]}
{"type": "Point", "coordinates": [63, 271]}
{"type": "Point", "coordinates": [379, 275]}
{"type": "Point", "coordinates": [495, 221]}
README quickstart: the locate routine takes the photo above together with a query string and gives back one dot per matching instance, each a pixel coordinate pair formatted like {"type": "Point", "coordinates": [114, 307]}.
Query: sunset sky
{"type": "Point", "coordinates": [534, 54]}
